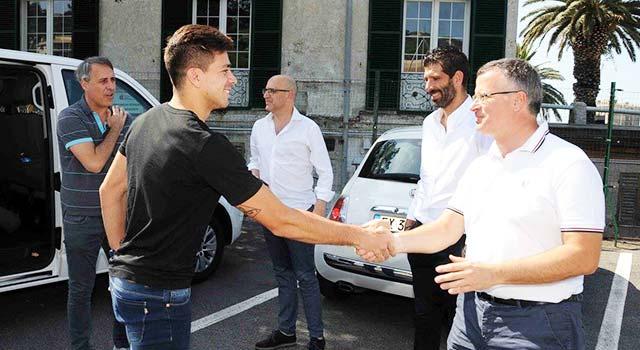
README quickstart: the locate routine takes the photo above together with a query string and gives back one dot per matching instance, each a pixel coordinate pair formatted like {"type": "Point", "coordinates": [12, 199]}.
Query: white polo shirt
{"type": "Point", "coordinates": [445, 156]}
{"type": "Point", "coordinates": [518, 206]}
{"type": "Point", "coordinates": [286, 161]}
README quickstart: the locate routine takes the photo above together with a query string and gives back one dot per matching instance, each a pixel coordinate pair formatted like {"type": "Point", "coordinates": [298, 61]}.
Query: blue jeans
{"type": "Point", "coordinates": [482, 324]}
{"type": "Point", "coordinates": [83, 236]}
{"type": "Point", "coordinates": [155, 319]}
{"type": "Point", "coordinates": [293, 263]}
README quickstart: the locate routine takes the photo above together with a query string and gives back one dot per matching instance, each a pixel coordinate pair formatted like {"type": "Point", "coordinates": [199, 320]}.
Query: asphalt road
{"type": "Point", "coordinates": [35, 318]}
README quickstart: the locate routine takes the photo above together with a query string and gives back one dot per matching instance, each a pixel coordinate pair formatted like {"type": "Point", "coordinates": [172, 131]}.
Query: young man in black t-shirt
{"type": "Point", "coordinates": [166, 181]}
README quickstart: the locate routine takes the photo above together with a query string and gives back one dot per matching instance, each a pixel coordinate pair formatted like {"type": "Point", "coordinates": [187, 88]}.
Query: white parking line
{"type": "Point", "coordinates": [233, 310]}
{"type": "Point", "coordinates": [612, 320]}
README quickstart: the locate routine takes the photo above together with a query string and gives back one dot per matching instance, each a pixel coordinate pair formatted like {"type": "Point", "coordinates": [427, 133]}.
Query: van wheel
{"type": "Point", "coordinates": [210, 254]}
{"type": "Point", "coordinates": [329, 289]}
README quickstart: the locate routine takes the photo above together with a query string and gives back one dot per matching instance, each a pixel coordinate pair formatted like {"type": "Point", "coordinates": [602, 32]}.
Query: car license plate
{"type": "Point", "coordinates": [397, 224]}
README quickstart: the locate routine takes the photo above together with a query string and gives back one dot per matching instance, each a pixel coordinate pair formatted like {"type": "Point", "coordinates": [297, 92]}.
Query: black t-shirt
{"type": "Point", "coordinates": [177, 169]}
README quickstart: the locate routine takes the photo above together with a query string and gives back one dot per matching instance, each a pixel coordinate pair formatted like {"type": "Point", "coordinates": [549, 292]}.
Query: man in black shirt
{"type": "Point", "coordinates": [166, 181]}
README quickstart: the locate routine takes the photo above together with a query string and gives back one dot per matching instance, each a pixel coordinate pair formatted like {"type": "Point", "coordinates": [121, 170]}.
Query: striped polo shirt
{"type": "Point", "coordinates": [79, 191]}
{"type": "Point", "coordinates": [518, 205]}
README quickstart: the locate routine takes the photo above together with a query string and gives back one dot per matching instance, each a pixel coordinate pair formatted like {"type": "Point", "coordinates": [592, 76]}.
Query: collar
{"type": "Point", "coordinates": [536, 139]}
{"type": "Point", "coordinates": [457, 117]}
{"type": "Point", "coordinates": [85, 106]}
{"type": "Point", "coordinates": [296, 115]}
{"type": "Point", "coordinates": [532, 145]}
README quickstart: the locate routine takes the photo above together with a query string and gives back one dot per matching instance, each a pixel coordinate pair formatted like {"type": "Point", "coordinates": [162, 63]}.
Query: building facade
{"type": "Point", "coordinates": [376, 61]}
{"type": "Point", "coordinates": [303, 38]}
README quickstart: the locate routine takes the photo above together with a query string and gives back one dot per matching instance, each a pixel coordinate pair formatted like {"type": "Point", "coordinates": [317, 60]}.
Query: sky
{"type": "Point", "coordinates": [618, 68]}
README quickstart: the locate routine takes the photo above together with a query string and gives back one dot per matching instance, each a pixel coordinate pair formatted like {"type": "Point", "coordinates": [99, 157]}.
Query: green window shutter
{"type": "Point", "coordinates": [266, 47]}
{"type": "Point", "coordinates": [84, 35]}
{"type": "Point", "coordinates": [488, 34]}
{"type": "Point", "coordinates": [629, 199]}
{"type": "Point", "coordinates": [383, 53]}
{"type": "Point", "coordinates": [9, 25]}
{"type": "Point", "coordinates": [175, 14]}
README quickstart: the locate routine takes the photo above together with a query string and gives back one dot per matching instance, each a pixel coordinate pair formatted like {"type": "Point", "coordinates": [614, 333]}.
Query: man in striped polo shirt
{"type": "Point", "coordinates": [89, 132]}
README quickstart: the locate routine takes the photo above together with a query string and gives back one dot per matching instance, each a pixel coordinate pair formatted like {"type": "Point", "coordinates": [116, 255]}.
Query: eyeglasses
{"type": "Point", "coordinates": [273, 91]}
{"type": "Point", "coordinates": [481, 98]}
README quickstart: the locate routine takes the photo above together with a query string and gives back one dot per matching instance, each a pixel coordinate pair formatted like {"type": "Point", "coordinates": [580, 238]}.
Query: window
{"type": "Point", "coordinates": [394, 160]}
{"type": "Point", "coordinates": [125, 96]}
{"type": "Point", "coordinates": [430, 24]}
{"type": "Point", "coordinates": [47, 26]}
{"type": "Point", "coordinates": [232, 17]}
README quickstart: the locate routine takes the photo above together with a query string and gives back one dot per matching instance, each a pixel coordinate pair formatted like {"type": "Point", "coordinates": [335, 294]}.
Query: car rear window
{"type": "Point", "coordinates": [395, 160]}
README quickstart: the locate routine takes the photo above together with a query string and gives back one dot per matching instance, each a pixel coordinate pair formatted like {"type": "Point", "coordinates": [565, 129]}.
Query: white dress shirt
{"type": "Point", "coordinates": [518, 206]}
{"type": "Point", "coordinates": [286, 161]}
{"type": "Point", "coordinates": [446, 154]}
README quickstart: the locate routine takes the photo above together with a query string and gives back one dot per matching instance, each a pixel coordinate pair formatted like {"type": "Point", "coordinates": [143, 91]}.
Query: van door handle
{"type": "Point", "coordinates": [57, 182]}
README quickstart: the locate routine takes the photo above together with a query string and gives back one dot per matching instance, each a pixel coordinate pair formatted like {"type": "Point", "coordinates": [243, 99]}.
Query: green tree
{"type": "Point", "coordinates": [550, 93]}
{"type": "Point", "coordinates": [591, 28]}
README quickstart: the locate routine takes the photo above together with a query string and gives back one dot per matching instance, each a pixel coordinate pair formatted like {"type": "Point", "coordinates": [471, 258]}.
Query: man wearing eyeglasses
{"type": "Point", "coordinates": [450, 143]}
{"type": "Point", "coordinates": [532, 209]}
{"type": "Point", "coordinates": [286, 147]}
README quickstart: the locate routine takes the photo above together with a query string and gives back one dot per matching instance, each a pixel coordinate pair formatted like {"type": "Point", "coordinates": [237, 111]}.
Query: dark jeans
{"type": "Point", "coordinates": [293, 263]}
{"type": "Point", "coordinates": [434, 308]}
{"type": "Point", "coordinates": [482, 324]}
{"type": "Point", "coordinates": [83, 237]}
{"type": "Point", "coordinates": [156, 319]}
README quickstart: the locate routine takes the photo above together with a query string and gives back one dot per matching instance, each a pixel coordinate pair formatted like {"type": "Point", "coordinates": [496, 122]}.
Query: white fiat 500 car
{"type": "Point", "coordinates": [382, 187]}
{"type": "Point", "coordinates": [34, 88]}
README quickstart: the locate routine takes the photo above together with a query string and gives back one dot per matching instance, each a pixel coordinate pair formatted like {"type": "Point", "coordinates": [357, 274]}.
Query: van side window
{"type": "Point", "coordinates": [125, 96]}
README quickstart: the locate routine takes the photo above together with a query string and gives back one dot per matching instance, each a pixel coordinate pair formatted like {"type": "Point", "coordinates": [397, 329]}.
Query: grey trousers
{"type": "Point", "coordinates": [481, 324]}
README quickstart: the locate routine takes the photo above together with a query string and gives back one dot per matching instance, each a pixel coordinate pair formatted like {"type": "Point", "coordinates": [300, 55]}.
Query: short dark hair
{"type": "Point", "coordinates": [191, 46]}
{"type": "Point", "coordinates": [83, 72]}
{"type": "Point", "coordinates": [523, 75]}
{"type": "Point", "coordinates": [451, 59]}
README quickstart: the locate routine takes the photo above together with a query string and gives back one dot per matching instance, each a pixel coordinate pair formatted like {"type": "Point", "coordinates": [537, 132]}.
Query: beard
{"type": "Point", "coordinates": [447, 94]}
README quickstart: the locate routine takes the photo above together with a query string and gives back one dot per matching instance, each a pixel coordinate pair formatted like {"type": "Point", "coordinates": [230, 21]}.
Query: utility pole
{"type": "Point", "coordinates": [607, 160]}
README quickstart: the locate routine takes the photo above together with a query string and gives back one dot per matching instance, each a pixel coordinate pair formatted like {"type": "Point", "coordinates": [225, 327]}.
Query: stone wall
{"type": "Point", "coordinates": [130, 37]}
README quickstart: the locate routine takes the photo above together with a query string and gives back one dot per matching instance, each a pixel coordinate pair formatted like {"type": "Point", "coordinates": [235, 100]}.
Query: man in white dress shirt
{"type": "Point", "coordinates": [286, 147]}
{"type": "Point", "coordinates": [450, 143]}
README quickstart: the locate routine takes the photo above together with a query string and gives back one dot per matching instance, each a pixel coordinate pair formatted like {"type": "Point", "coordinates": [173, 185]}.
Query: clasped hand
{"type": "Point", "coordinates": [378, 245]}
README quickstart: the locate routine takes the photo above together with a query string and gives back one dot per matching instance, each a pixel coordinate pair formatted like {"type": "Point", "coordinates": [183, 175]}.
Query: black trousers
{"type": "Point", "coordinates": [434, 308]}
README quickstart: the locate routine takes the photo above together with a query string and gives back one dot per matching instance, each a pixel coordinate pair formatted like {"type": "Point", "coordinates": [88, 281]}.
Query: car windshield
{"type": "Point", "coordinates": [395, 160]}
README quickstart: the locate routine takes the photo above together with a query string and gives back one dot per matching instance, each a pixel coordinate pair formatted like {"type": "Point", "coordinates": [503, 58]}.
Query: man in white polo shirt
{"type": "Point", "coordinates": [533, 213]}
{"type": "Point", "coordinates": [286, 147]}
{"type": "Point", "coordinates": [450, 142]}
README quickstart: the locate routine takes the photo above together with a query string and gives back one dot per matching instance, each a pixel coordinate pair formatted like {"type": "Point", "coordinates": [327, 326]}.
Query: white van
{"type": "Point", "coordinates": [34, 88]}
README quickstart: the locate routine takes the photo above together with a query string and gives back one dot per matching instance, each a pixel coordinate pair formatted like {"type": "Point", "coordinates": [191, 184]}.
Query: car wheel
{"type": "Point", "coordinates": [210, 254]}
{"type": "Point", "coordinates": [329, 289]}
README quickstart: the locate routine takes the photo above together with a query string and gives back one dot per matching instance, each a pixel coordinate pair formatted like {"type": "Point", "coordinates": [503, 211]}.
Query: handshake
{"type": "Point", "coordinates": [379, 244]}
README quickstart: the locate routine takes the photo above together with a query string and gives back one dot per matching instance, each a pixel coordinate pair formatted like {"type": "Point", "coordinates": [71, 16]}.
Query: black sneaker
{"type": "Point", "coordinates": [316, 344]}
{"type": "Point", "coordinates": [277, 340]}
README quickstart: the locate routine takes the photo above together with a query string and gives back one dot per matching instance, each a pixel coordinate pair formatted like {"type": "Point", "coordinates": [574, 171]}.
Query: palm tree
{"type": "Point", "coordinates": [590, 28]}
{"type": "Point", "coordinates": [550, 94]}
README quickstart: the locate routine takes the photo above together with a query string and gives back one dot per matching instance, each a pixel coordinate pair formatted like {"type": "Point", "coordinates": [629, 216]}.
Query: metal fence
{"type": "Point", "coordinates": [323, 100]}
